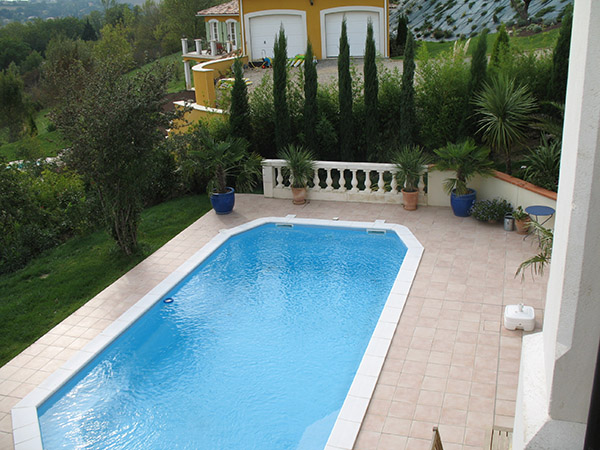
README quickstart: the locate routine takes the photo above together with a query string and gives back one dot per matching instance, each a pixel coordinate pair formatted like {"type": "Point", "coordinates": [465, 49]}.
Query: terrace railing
{"type": "Point", "coordinates": [342, 181]}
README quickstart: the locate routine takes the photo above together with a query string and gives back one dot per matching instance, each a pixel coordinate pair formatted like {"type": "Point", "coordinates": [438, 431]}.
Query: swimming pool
{"type": "Point", "coordinates": [200, 353]}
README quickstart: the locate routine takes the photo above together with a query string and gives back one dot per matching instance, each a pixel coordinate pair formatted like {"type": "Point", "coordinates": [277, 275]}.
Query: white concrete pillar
{"type": "Point", "coordinates": [198, 46]}
{"type": "Point", "coordinates": [554, 391]}
{"type": "Point", "coordinates": [184, 46]}
{"type": "Point", "coordinates": [213, 48]}
{"type": "Point", "coordinates": [268, 176]}
{"type": "Point", "coordinates": [188, 75]}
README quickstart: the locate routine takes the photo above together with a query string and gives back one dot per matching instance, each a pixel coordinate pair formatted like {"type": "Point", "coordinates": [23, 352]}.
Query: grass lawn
{"type": "Point", "coordinates": [40, 146]}
{"type": "Point", "coordinates": [39, 296]}
{"type": "Point", "coordinates": [537, 41]}
{"type": "Point", "coordinates": [177, 84]}
{"type": "Point", "coordinates": [46, 143]}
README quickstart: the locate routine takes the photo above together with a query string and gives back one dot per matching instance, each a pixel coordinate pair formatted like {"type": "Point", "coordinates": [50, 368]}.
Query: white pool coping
{"type": "Point", "coordinates": [26, 428]}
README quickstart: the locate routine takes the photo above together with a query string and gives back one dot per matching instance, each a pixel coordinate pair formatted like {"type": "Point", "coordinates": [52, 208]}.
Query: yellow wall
{"type": "Point", "coordinates": [313, 14]}
{"type": "Point", "coordinates": [205, 75]}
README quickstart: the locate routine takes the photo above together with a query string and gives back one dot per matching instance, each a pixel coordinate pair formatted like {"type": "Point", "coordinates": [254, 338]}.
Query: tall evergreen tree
{"type": "Point", "coordinates": [88, 33]}
{"type": "Point", "coordinates": [501, 47]}
{"type": "Point", "coordinates": [401, 34]}
{"type": "Point", "coordinates": [476, 80]}
{"type": "Point", "coordinates": [239, 117]}
{"type": "Point", "coordinates": [310, 100]}
{"type": "Point", "coordinates": [13, 104]}
{"type": "Point", "coordinates": [479, 64]}
{"type": "Point", "coordinates": [408, 122]}
{"type": "Point", "coordinates": [345, 97]}
{"type": "Point", "coordinates": [282, 113]}
{"type": "Point", "coordinates": [371, 95]}
{"type": "Point", "coordinates": [560, 59]}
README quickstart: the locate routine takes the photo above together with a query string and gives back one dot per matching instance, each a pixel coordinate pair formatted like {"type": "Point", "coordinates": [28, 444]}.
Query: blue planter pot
{"type": "Point", "coordinates": [461, 204]}
{"type": "Point", "coordinates": [223, 203]}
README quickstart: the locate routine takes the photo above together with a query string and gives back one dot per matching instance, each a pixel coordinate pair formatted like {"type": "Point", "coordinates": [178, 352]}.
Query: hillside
{"type": "Point", "coordinates": [448, 19]}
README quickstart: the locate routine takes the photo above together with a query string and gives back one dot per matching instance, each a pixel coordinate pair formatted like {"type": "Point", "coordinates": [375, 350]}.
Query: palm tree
{"type": "Point", "coordinates": [504, 109]}
{"type": "Point", "coordinates": [467, 160]}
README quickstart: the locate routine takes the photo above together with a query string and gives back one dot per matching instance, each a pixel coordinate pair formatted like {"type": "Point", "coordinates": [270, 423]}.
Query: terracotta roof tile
{"type": "Point", "coordinates": [224, 9]}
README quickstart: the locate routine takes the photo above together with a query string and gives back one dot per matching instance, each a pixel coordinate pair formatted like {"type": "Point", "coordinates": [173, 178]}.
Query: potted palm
{"type": "Point", "coordinates": [410, 164]}
{"type": "Point", "coordinates": [522, 220]}
{"type": "Point", "coordinates": [467, 160]}
{"type": "Point", "coordinates": [221, 162]}
{"type": "Point", "coordinates": [300, 168]}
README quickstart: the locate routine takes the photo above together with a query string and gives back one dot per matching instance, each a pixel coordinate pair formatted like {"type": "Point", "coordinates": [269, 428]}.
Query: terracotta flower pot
{"type": "Point", "coordinates": [522, 226]}
{"type": "Point", "coordinates": [299, 195]}
{"type": "Point", "coordinates": [410, 200]}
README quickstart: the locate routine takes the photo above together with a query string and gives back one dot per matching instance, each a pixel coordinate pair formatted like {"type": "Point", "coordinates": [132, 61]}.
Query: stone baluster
{"type": "Point", "coordinates": [368, 182]}
{"type": "Point", "coordinates": [316, 181]}
{"type": "Point", "coordinates": [342, 181]}
{"type": "Point", "coordinates": [279, 178]}
{"type": "Point", "coordinates": [394, 185]}
{"type": "Point", "coordinates": [354, 181]}
{"type": "Point", "coordinates": [329, 181]}
{"type": "Point", "coordinates": [381, 183]}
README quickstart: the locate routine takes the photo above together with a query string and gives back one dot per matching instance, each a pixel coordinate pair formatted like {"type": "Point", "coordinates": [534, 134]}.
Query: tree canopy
{"type": "Point", "coordinates": [113, 125]}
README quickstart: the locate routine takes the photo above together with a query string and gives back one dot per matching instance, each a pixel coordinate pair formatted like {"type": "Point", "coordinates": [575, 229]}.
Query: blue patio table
{"type": "Point", "coordinates": [540, 211]}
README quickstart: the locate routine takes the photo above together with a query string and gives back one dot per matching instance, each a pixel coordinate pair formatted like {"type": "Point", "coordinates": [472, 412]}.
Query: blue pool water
{"type": "Point", "coordinates": [257, 350]}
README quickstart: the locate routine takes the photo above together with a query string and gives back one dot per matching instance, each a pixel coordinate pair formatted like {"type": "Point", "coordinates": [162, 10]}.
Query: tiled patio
{"type": "Point", "coordinates": [451, 362]}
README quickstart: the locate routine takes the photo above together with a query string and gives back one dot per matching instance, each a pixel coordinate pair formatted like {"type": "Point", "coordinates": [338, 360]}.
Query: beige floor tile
{"type": "Point", "coordinates": [418, 444]}
{"type": "Point", "coordinates": [374, 422]}
{"type": "Point", "coordinates": [450, 357]}
{"type": "Point", "coordinates": [391, 442]}
{"type": "Point", "coordinates": [367, 440]}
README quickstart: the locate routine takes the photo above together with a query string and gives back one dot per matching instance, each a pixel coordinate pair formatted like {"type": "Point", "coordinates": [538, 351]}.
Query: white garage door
{"type": "Point", "coordinates": [263, 30]}
{"type": "Point", "coordinates": [356, 25]}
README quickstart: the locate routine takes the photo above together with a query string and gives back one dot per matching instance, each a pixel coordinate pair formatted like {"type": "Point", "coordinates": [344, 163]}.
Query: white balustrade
{"type": "Point", "coordinates": [369, 182]}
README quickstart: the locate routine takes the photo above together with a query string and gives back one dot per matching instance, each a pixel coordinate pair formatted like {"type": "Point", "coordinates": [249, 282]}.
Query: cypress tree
{"type": "Point", "coordinates": [557, 89]}
{"type": "Point", "coordinates": [408, 122]}
{"type": "Point", "coordinates": [501, 47]}
{"type": "Point", "coordinates": [282, 114]}
{"type": "Point", "coordinates": [371, 94]}
{"type": "Point", "coordinates": [401, 34]}
{"type": "Point", "coordinates": [345, 97]}
{"type": "Point", "coordinates": [476, 80]}
{"type": "Point", "coordinates": [478, 64]}
{"type": "Point", "coordinates": [310, 100]}
{"type": "Point", "coordinates": [88, 33]}
{"type": "Point", "coordinates": [239, 117]}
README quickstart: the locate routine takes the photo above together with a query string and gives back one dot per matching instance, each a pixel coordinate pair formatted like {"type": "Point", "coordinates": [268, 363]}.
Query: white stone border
{"type": "Point", "coordinates": [26, 429]}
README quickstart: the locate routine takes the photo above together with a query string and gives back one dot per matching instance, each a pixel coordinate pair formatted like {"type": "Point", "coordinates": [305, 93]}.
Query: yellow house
{"type": "Point", "coordinates": [253, 24]}
{"type": "Point", "coordinates": [249, 27]}
{"type": "Point", "coordinates": [316, 20]}
{"type": "Point", "coordinates": [222, 27]}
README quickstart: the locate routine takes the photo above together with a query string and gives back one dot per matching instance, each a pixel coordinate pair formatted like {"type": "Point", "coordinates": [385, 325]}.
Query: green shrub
{"type": "Point", "coordinates": [38, 210]}
{"type": "Point", "coordinates": [442, 92]}
{"type": "Point", "coordinates": [542, 165]}
{"type": "Point", "coordinates": [491, 210]}
{"type": "Point", "coordinates": [533, 70]}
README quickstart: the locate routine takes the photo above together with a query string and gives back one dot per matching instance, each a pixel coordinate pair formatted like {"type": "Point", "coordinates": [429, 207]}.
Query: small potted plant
{"type": "Point", "coordinates": [522, 220]}
{"type": "Point", "coordinates": [410, 165]}
{"type": "Point", "coordinates": [467, 160]}
{"type": "Point", "coordinates": [300, 168]}
{"type": "Point", "coordinates": [492, 211]}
